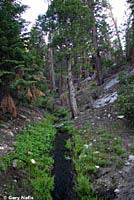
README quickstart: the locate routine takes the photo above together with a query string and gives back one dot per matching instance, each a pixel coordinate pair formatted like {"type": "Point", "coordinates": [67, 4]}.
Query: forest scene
{"type": "Point", "coordinates": [66, 102]}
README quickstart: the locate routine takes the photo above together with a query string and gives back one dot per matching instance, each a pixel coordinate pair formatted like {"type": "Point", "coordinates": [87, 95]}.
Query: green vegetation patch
{"type": "Point", "coordinates": [91, 152]}
{"type": "Point", "coordinates": [32, 154]}
{"type": "Point", "coordinates": [125, 101]}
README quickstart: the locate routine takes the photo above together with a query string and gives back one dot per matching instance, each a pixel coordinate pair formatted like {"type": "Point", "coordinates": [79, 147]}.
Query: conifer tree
{"type": "Point", "coordinates": [11, 49]}
{"type": "Point", "coordinates": [70, 23]}
{"type": "Point", "coordinates": [130, 33]}
{"type": "Point", "coordinates": [32, 73]}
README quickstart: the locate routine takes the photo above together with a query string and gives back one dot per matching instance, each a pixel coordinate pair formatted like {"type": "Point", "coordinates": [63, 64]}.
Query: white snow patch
{"type": "Point", "coordinates": [107, 99]}
{"type": "Point", "coordinates": [111, 83]}
{"type": "Point", "coordinates": [131, 158]}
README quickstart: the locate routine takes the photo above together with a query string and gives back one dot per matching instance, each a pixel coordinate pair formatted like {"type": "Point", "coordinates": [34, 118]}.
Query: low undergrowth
{"type": "Point", "coordinates": [125, 102]}
{"type": "Point", "coordinates": [33, 155]}
{"type": "Point", "coordinates": [91, 152]}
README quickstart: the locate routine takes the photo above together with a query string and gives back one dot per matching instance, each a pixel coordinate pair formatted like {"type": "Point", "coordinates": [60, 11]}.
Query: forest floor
{"type": "Point", "coordinates": [9, 126]}
{"type": "Point", "coordinates": [9, 129]}
{"type": "Point", "coordinates": [113, 182]}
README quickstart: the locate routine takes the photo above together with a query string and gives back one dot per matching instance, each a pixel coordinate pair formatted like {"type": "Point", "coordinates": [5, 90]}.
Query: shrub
{"type": "Point", "coordinates": [125, 101]}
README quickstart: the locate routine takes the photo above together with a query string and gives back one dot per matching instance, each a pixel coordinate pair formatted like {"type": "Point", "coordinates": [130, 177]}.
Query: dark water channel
{"type": "Point", "coordinates": [63, 170]}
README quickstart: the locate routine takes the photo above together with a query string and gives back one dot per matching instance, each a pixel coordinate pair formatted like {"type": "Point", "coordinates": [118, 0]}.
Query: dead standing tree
{"type": "Point", "coordinates": [72, 98]}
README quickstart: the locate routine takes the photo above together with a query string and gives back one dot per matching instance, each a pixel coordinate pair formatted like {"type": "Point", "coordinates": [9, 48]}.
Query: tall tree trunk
{"type": "Point", "coordinates": [52, 75]}
{"type": "Point", "coordinates": [72, 98]}
{"type": "Point", "coordinates": [96, 46]}
{"type": "Point", "coordinates": [60, 81]}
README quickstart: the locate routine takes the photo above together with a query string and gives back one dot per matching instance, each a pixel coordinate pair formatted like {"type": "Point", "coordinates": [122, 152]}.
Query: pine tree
{"type": "Point", "coordinates": [69, 21]}
{"type": "Point", "coordinates": [11, 49]}
{"type": "Point", "coordinates": [31, 74]}
{"type": "Point", "coordinates": [130, 33]}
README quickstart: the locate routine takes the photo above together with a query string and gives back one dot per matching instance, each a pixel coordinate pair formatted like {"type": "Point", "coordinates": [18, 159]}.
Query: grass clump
{"type": "Point", "coordinates": [91, 152]}
{"type": "Point", "coordinates": [83, 187]}
{"type": "Point", "coordinates": [32, 151]}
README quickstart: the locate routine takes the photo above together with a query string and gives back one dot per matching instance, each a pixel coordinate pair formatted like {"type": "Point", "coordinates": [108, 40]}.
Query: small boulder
{"type": "Point", "coordinates": [15, 163]}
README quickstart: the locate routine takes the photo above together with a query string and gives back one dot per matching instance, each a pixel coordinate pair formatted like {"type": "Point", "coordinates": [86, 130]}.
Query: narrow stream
{"type": "Point", "coordinates": [63, 170]}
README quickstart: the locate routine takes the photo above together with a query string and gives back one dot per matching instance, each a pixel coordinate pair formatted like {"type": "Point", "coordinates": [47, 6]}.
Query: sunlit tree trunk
{"type": "Point", "coordinates": [72, 98]}
{"type": "Point", "coordinates": [52, 74]}
{"type": "Point", "coordinates": [60, 81]}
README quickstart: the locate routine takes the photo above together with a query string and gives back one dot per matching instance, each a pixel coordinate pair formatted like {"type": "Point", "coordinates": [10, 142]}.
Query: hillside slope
{"type": "Point", "coordinates": [114, 181]}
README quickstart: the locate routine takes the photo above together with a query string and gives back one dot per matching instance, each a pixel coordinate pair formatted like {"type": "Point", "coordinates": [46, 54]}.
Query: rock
{"type": "Point", "coordinates": [59, 125]}
{"type": "Point", "coordinates": [4, 126]}
{"type": "Point", "coordinates": [131, 158]}
{"type": "Point", "coordinates": [30, 153]}
{"type": "Point", "coordinates": [107, 99]}
{"type": "Point", "coordinates": [87, 107]}
{"type": "Point", "coordinates": [3, 147]}
{"type": "Point", "coordinates": [11, 133]}
{"type": "Point", "coordinates": [33, 161]}
{"type": "Point", "coordinates": [86, 146]}
{"type": "Point", "coordinates": [111, 83]}
{"type": "Point", "coordinates": [28, 120]}
{"type": "Point", "coordinates": [96, 152]}
{"type": "Point", "coordinates": [90, 144]}
{"type": "Point", "coordinates": [15, 163]}
{"type": "Point", "coordinates": [120, 116]}
{"type": "Point", "coordinates": [109, 115]}
{"type": "Point", "coordinates": [116, 190]}
{"type": "Point", "coordinates": [97, 167]}
{"type": "Point", "coordinates": [23, 116]}
{"type": "Point", "coordinates": [127, 163]}
{"type": "Point", "coordinates": [104, 171]}
{"type": "Point", "coordinates": [39, 118]}
{"type": "Point", "coordinates": [85, 81]}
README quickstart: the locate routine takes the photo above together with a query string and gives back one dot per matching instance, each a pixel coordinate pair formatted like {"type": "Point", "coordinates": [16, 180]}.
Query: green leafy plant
{"type": "Point", "coordinates": [32, 153]}
{"type": "Point", "coordinates": [91, 152]}
{"type": "Point", "coordinates": [69, 144]}
{"type": "Point", "coordinates": [83, 187]}
{"type": "Point", "coordinates": [125, 105]}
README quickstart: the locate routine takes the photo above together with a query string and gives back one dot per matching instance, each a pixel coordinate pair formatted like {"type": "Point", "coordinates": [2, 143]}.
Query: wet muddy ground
{"type": "Point", "coordinates": [63, 170]}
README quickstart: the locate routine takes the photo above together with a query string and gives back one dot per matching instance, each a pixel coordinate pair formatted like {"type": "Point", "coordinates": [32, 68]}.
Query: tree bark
{"type": "Point", "coordinates": [60, 81]}
{"type": "Point", "coordinates": [72, 98]}
{"type": "Point", "coordinates": [52, 76]}
{"type": "Point", "coordinates": [96, 46]}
